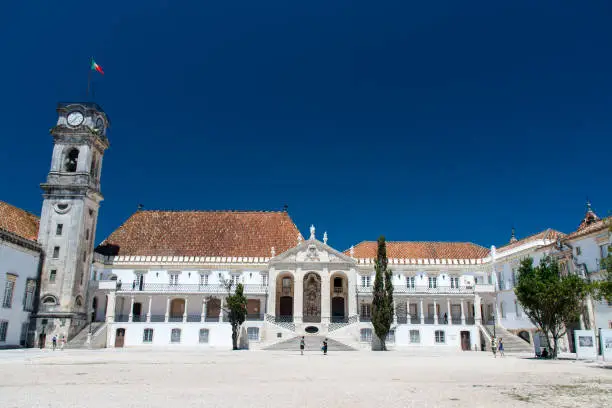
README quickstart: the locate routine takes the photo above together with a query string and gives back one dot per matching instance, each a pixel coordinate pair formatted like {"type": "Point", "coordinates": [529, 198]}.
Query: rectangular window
{"type": "Point", "coordinates": [366, 335]}
{"type": "Point", "coordinates": [264, 279]}
{"type": "Point", "coordinates": [365, 281]}
{"type": "Point", "coordinates": [433, 282]}
{"type": "Point", "coordinates": [235, 279]}
{"type": "Point", "coordinates": [28, 300]}
{"type": "Point", "coordinates": [147, 336]}
{"type": "Point", "coordinates": [9, 288]}
{"type": "Point", "coordinates": [204, 335]}
{"type": "Point", "coordinates": [517, 309]}
{"type": "Point", "coordinates": [3, 330]}
{"type": "Point", "coordinates": [439, 336]}
{"type": "Point", "coordinates": [410, 282]}
{"type": "Point", "coordinates": [454, 282]}
{"type": "Point", "coordinates": [204, 279]}
{"type": "Point", "coordinates": [253, 333]}
{"type": "Point", "coordinates": [87, 235]}
{"type": "Point", "coordinates": [58, 229]}
{"type": "Point", "coordinates": [84, 256]}
{"type": "Point", "coordinates": [391, 336]}
{"type": "Point", "coordinates": [24, 334]}
{"type": "Point", "coordinates": [286, 282]}
{"type": "Point", "coordinates": [175, 336]}
{"type": "Point", "coordinates": [415, 336]}
{"type": "Point", "coordinates": [366, 310]}
{"type": "Point", "coordinates": [56, 252]}
{"type": "Point", "coordinates": [52, 274]}
{"type": "Point", "coordinates": [578, 251]}
{"type": "Point", "coordinates": [174, 278]}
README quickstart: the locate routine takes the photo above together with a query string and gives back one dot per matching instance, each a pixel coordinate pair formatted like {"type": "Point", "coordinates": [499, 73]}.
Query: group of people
{"type": "Point", "coordinates": [497, 345]}
{"type": "Point", "coordinates": [62, 342]}
{"type": "Point", "coordinates": [303, 345]}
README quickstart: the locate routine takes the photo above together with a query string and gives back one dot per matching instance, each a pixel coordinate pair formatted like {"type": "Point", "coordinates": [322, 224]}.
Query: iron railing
{"type": "Point", "coordinates": [422, 290]}
{"type": "Point", "coordinates": [186, 288]}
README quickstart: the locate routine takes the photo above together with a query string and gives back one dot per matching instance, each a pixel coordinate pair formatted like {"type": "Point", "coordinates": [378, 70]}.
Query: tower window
{"type": "Point", "coordinates": [72, 158]}
{"type": "Point", "coordinates": [52, 275]}
{"type": "Point", "coordinates": [56, 252]}
{"type": "Point", "coordinates": [9, 289]}
{"type": "Point", "coordinates": [87, 235]}
{"type": "Point", "coordinates": [84, 256]}
{"type": "Point", "coordinates": [58, 229]}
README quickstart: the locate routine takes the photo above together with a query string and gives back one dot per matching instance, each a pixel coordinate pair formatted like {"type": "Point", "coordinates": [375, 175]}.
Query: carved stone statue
{"type": "Point", "coordinates": [312, 297]}
{"type": "Point", "coordinates": [312, 232]}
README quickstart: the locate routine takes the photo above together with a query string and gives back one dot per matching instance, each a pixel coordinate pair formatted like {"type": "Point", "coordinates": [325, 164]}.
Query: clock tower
{"type": "Point", "coordinates": [71, 199]}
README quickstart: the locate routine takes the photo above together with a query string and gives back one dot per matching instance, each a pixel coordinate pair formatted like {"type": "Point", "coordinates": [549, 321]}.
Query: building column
{"type": "Point", "coordinates": [449, 312]}
{"type": "Point", "coordinates": [477, 312]}
{"type": "Point", "coordinates": [325, 297]}
{"type": "Point", "coordinates": [110, 307]}
{"type": "Point", "coordinates": [221, 309]}
{"type": "Point", "coordinates": [271, 304]}
{"type": "Point", "coordinates": [408, 317]}
{"type": "Point", "coordinates": [462, 313]}
{"type": "Point", "coordinates": [149, 310]}
{"type": "Point", "coordinates": [394, 311]}
{"type": "Point", "coordinates": [185, 311]}
{"type": "Point", "coordinates": [131, 315]}
{"type": "Point", "coordinates": [422, 313]}
{"type": "Point", "coordinates": [435, 309]}
{"type": "Point", "coordinates": [167, 315]}
{"type": "Point", "coordinates": [203, 315]}
{"type": "Point", "coordinates": [298, 296]}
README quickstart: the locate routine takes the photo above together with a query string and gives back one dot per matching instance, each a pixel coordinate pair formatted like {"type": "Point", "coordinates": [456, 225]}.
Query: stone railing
{"type": "Point", "coordinates": [186, 288]}
{"type": "Point", "coordinates": [422, 290]}
{"type": "Point", "coordinates": [286, 322]}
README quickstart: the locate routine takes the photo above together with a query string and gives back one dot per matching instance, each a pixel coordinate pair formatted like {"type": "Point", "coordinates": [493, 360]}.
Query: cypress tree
{"type": "Point", "coordinates": [382, 304]}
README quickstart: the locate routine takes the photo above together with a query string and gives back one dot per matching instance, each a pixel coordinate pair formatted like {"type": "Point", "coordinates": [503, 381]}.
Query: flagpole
{"type": "Point", "coordinates": [89, 79]}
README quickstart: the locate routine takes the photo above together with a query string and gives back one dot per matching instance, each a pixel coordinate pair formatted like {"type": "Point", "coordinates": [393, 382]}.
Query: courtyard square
{"type": "Point", "coordinates": [214, 378]}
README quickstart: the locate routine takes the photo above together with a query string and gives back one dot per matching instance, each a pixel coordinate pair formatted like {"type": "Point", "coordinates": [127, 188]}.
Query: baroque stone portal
{"type": "Point", "coordinates": [312, 298]}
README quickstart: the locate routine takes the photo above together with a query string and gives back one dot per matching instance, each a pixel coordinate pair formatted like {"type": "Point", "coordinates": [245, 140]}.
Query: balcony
{"type": "Point", "coordinates": [444, 290]}
{"type": "Point", "coordinates": [338, 290]}
{"type": "Point", "coordinates": [484, 288]}
{"type": "Point", "coordinates": [185, 288]}
{"type": "Point", "coordinates": [286, 291]}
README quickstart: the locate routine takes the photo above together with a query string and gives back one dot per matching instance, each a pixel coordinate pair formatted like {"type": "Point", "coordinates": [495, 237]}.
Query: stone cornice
{"type": "Point", "coordinates": [20, 241]}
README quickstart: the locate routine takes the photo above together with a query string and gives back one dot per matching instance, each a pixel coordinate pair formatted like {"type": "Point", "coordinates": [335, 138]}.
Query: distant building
{"type": "Point", "coordinates": [20, 263]}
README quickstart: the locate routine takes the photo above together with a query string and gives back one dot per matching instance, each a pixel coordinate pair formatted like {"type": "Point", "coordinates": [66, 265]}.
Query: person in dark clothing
{"type": "Point", "coordinates": [302, 345]}
{"type": "Point", "coordinates": [324, 348]}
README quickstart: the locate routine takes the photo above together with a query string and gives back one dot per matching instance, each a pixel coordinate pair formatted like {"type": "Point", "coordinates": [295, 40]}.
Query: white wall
{"type": "Point", "coordinates": [427, 335]}
{"type": "Point", "coordinates": [186, 276]}
{"type": "Point", "coordinates": [23, 263]}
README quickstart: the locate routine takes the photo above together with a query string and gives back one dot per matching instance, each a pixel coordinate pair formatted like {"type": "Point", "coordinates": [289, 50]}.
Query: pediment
{"type": "Point", "coordinates": [312, 251]}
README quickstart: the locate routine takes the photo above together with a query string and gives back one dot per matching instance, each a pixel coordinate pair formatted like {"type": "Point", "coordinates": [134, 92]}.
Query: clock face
{"type": "Point", "coordinates": [75, 118]}
{"type": "Point", "coordinates": [99, 123]}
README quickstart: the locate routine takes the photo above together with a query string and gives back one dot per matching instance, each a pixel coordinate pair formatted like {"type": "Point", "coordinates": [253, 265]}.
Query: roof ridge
{"type": "Point", "coordinates": [20, 209]}
{"type": "Point", "coordinates": [210, 211]}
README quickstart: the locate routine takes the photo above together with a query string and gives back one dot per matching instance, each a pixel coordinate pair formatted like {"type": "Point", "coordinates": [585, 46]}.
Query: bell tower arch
{"type": "Point", "coordinates": [71, 199]}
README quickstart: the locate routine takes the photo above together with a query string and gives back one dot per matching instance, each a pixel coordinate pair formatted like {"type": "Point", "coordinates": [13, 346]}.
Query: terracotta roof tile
{"type": "Point", "coordinates": [422, 250]}
{"type": "Point", "coordinates": [18, 221]}
{"type": "Point", "coordinates": [548, 234]}
{"type": "Point", "coordinates": [594, 226]}
{"type": "Point", "coordinates": [202, 233]}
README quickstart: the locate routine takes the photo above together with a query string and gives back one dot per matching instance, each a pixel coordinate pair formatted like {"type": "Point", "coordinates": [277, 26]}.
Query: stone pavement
{"type": "Point", "coordinates": [213, 378]}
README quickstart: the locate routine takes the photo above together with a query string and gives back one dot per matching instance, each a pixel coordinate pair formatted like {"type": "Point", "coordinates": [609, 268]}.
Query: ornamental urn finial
{"type": "Point", "coordinates": [273, 252]}
{"type": "Point", "coordinates": [312, 232]}
{"type": "Point", "coordinates": [325, 237]}
{"type": "Point", "coordinates": [352, 251]}
{"type": "Point", "coordinates": [299, 238]}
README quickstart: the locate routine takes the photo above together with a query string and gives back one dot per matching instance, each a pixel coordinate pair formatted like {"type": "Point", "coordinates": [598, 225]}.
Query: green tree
{"type": "Point", "coordinates": [236, 310]}
{"type": "Point", "coordinates": [382, 304]}
{"type": "Point", "coordinates": [550, 300]}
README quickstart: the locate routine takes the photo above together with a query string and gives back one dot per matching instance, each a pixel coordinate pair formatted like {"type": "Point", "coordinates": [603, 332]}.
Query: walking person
{"type": "Point", "coordinates": [445, 318]}
{"type": "Point", "coordinates": [54, 340]}
{"type": "Point", "coordinates": [324, 348]}
{"type": "Point", "coordinates": [494, 347]}
{"type": "Point", "coordinates": [302, 345]}
{"type": "Point", "coordinates": [501, 347]}
{"type": "Point", "coordinates": [62, 342]}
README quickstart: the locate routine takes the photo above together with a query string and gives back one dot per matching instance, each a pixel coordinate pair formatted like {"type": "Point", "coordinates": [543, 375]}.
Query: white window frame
{"type": "Point", "coordinates": [28, 297]}
{"type": "Point", "coordinates": [9, 291]}
{"type": "Point", "coordinates": [253, 333]}
{"type": "Point", "coordinates": [365, 335]}
{"type": "Point", "coordinates": [440, 337]}
{"type": "Point", "coordinates": [390, 336]}
{"type": "Point", "coordinates": [410, 282]}
{"type": "Point", "coordinates": [203, 279]}
{"type": "Point", "coordinates": [173, 340]}
{"type": "Point", "coordinates": [432, 282]}
{"type": "Point", "coordinates": [366, 281]}
{"type": "Point", "coordinates": [56, 252]}
{"type": "Point", "coordinates": [149, 338]}
{"type": "Point", "coordinates": [412, 336]}
{"type": "Point", "coordinates": [201, 336]}
{"type": "Point", "coordinates": [174, 276]}
{"type": "Point", "coordinates": [368, 308]}
{"type": "Point", "coordinates": [454, 280]}
{"type": "Point", "coordinates": [3, 330]}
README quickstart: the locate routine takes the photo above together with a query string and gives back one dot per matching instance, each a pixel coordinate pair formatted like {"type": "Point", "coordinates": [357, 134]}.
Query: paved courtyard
{"type": "Point", "coordinates": [192, 378]}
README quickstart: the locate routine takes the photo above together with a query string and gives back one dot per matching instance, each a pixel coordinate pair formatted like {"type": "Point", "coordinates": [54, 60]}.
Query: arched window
{"type": "Point", "coordinates": [49, 300]}
{"type": "Point", "coordinates": [72, 158]}
{"type": "Point", "coordinates": [78, 301]}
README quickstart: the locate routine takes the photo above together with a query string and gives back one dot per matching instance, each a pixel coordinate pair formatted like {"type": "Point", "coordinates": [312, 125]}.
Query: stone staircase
{"type": "Point", "coordinates": [512, 343]}
{"type": "Point", "coordinates": [98, 337]}
{"type": "Point", "coordinates": [313, 343]}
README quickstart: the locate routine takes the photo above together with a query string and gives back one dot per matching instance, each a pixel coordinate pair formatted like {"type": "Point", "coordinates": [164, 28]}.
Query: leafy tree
{"type": "Point", "coordinates": [550, 300]}
{"type": "Point", "coordinates": [236, 310]}
{"type": "Point", "coordinates": [382, 304]}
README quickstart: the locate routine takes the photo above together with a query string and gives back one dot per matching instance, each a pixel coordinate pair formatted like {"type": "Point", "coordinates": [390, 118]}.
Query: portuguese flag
{"type": "Point", "coordinates": [96, 67]}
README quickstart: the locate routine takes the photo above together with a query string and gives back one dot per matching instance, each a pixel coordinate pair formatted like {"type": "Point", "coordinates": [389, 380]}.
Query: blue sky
{"type": "Point", "coordinates": [441, 120]}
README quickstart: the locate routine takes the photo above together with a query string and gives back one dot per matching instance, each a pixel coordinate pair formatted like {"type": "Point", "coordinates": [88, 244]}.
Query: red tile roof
{"type": "Point", "coordinates": [594, 226]}
{"type": "Point", "coordinates": [422, 250]}
{"type": "Point", "coordinates": [547, 234]}
{"type": "Point", "coordinates": [18, 221]}
{"type": "Point", "coordinates": [202, 233]}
